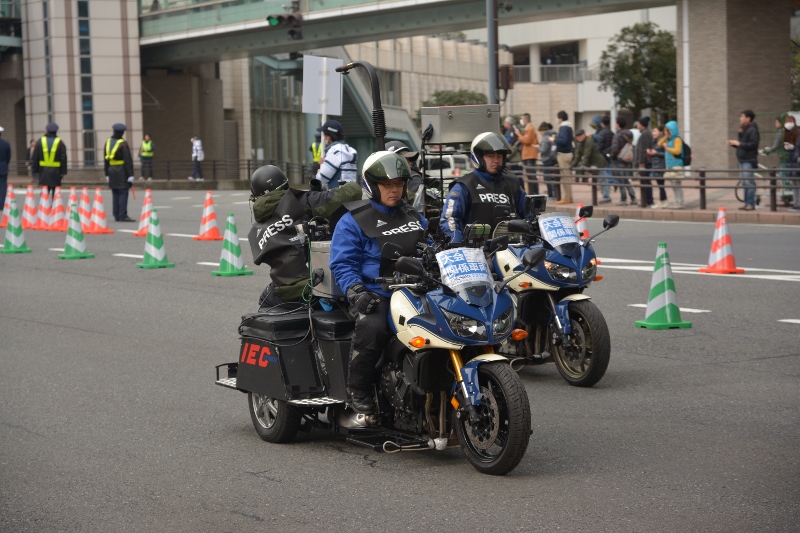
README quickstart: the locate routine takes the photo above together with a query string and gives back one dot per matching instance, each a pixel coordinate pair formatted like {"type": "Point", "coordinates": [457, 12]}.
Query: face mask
{"type": "Point", "coordinates": [789, 126]}
{"type": "Point", "coordinates": [521, 123]}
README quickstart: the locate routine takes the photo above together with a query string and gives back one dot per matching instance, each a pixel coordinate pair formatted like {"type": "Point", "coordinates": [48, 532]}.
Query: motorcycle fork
{"type": "Point", "coordinates": [470, 399]}
{"type": "Point", "coordinates": [563, 326]}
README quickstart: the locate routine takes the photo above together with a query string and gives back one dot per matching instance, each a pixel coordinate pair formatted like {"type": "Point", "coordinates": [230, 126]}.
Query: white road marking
{"type": "Point", "coordinates": [789, 276]}
{"type": "Point", "coordinates": [134, 256]}
{"type": "Point", "coordinates": [56, 249]}
{"type": "Point", "coordinates": [712, 222]}
{"type": "Point", "coordinates": [205, 263]}
{"type": "Point", "coordinates": [182, 198]}
{"type": "Point", "coordinates": [162, 207]}
{"type": "Point", "coordinates": [241, 203]}
{"type": "Point", "coordinates": [199, 205]}
{"type": "Point", "coordinates": [127, 230]}
{"type": "Point", "coordinates": [180, 235]}
{"type": "Point", "coordinates": [695, 265]}
{"type": "Point", "coordinates": [790, 321]}
{"type": "Point", "coordinates": [683, 309]}
{"type": "Point", "coordinates": [239, 194]}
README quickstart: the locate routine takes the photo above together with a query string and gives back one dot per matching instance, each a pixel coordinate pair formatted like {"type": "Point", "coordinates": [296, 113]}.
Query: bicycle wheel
{"type": "Point", "coordinates": [739, 191]}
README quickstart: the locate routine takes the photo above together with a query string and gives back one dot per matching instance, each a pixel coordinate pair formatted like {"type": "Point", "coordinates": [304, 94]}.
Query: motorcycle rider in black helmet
{"type": "Point", "coordinates": [356, 262]}
{"type": "Point", "coordinates": [475, 196]}
{"type": "Point", "coordinates": [277, 239]}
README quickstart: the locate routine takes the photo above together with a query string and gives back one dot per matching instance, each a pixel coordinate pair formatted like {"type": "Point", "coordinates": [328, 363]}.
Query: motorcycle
{"type": "Point", "coordinates": [441, 384]}
{"type": "Point", "coordinates": [564, 326]}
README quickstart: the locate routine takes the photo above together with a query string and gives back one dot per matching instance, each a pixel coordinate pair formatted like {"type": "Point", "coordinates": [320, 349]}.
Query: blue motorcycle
{"type": "Point", "coordinates": [563, 325]}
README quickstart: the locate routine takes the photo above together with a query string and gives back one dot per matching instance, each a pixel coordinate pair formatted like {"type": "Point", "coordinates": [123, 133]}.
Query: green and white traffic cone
{"type": "Point", "coordinates": [230, 262]}
{"type": "Point", "coordinates": [662, 307]}
{"type": "Point", "coordinates": [75, 247]}
{"type": "Point", "coordinates": [155, 256]}
{"type": "Point", "coordinates": [15, 237]}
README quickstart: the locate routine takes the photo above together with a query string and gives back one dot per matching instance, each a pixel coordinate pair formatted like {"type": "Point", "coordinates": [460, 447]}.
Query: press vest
{"type": "Point", "coordinates": [485, 196]}
{"type": "Point", "coordinates": [49, 156]}
{"type": "Point", "coordinates": [111, 153]}
{"type": "Point", "coordinates": [316, 151]}
{"type": "Point", "coordinates": [277, 242]}
{"type": "Point", "coordinates": [147, 148]}
{"type": "Point", "coordinates": [403, 227]}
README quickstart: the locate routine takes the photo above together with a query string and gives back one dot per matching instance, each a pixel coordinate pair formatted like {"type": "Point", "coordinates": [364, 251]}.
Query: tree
{"type": "Point", "coordinates": [443, 98]}
{"type": "Point", "coordinates": [795, 75]}
{"type": "Point", "coordinates": [639, 66]}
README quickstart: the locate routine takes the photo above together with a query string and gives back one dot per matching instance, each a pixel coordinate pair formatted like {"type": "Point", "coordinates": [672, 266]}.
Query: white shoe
{"type": "Point", "coordinates": [191, 178]}
{"type": "Point", "coordinates": [198, 179]}
{"type": "Point", "coordinates": [141, 178]}
{"type": "Point", "coordinates": [149, 179]}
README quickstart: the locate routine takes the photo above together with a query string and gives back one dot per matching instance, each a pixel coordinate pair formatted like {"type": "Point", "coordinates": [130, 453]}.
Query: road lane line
{"type": "Point", "coordinates": [182, 198]}
{"type": "Point", "coordinates": [56, 249]}
{"type": "Point", "coordinates": [241, 203]}
{"type": "Point", "coordinates": [693, 265]}
{"type": "Point", "coordinates": [239, 194]}
{"type": "Point", "coordinates": [127, 230]}
{"type": "Point", "coordinates": [795, 277]}
{"type": "Point", "coordinates": [207, 263]}
{"type": "Point", "coordinates": [683, 309]}
{"type": "Point", "coordinates": [199, 205]}
{"type": "Point", "coordinates": [790, 321]}
{"type": "Point", "coordinates": [180, 235]}
{"type": "Point", "coordinates": [162, 207]}
{"type": "Point", "coordinates": [134, 256]}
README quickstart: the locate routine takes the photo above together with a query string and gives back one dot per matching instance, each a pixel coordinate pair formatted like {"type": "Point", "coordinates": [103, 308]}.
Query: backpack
{"type": "Point", "coordinates": [687, 154]}
{"type": "Point", "coordinates": [626, 154]}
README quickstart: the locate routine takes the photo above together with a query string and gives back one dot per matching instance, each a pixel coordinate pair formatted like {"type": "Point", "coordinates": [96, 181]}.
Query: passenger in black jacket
{"type": "Point", "coordinates": [119, 172]}
{"type": "Point", "coordinates": [747, 154]}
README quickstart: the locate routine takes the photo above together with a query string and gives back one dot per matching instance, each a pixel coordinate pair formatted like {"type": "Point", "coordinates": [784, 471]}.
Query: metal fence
{"type": "Point", "coordinates": [556, 74]}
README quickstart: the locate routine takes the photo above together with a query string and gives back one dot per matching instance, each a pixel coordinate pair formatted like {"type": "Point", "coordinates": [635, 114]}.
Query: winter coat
{"type": "Point", "coordinates": [547, 153]}
{"type": "Point", "coordinates": [640, 151]}
{"type": "Point", "coordinates": [673, 148]}
{"type": "Point", "coordinates": [749, 138]}
{"type": "Point", "coordinates": [564, 138]}
{"type": "Point", "coordinates": [587, 155]}
{"type": "Point", "coordinates": [529, 140]}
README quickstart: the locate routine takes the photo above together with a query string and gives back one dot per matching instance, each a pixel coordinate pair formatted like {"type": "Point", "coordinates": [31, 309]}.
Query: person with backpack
{"type": "Point", "coordinates": [673, 146]}
{"type": "Point", "coordinates": [621, 157]}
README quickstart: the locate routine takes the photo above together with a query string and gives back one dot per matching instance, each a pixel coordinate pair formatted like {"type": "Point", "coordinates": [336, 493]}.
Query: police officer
{"type": "Point", "coordinates": [275, 238]}
{"type": "Point", "coordinates": [316, 153]}
{"type": "Point", "coordinates": [475, 196]}
{"type": "Point", "coordinates": [356, 261]}
{"type": "Point", "coordinates": [50, 159]}
{"type": "Point", "coordinates": [339, 165]}
{"type": "Point", "coordinates": [146, 153]}
{"type": "Point", "coordinates": [119, 172]}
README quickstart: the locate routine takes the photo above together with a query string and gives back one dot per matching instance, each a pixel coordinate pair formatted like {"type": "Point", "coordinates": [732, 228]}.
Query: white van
{"type": "Point", "coordinates": [446, 167]}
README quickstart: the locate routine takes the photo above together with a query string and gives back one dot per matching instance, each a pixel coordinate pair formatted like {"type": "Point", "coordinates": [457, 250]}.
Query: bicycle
{"type": "Point", "coordinates": [785, 196]}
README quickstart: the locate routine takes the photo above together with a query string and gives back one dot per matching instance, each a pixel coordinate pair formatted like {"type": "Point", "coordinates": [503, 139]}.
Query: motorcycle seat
{"type": "Point", "coordinates": [332, 326]}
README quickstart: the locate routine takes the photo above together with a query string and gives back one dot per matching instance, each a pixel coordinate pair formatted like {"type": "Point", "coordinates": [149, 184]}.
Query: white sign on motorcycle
{"type": "Point", "coordinates": [322, 86]}
{"type": "Point", "coordinates": [558, 229]}
{"type": "Point", "coordinates": [463, 265]}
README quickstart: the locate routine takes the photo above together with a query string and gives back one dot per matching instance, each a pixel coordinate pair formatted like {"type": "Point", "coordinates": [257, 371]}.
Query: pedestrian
{"type": "Point", "coordinates": [547, 156]}
{"type": "Point", "coordinates": [791, 146]}
{"type": "Point", "coordinates": [146, 152]}
{"type": "Point", "coordinates": [672, 144]}
{"type": "Point", "coordinates": [316, 153]}
{"type": "Point", "coordinates": [747, 155]}
{"type": "Point", "coordinates": [119, 172]}
{"type": "Point", "coordinates": [657, 168]}
{"type": "Point", "coordinates": [621, 157]}
{"type": "Point", "coordinates": [530, 152]}
{"type": "Point", "coordinates": [5, 159]}
{"type": "Point", "coordinates": [588, 158]}
{"type": "Point", "coordinates": [564, 153]}
{"type": "Point", "coordinates": [50, 159]}
{"type": "Point", "coordinates": [339, 163]}
{"type": "Point", "coordinates": [197, 157]}
{"type": "Point", "coordinates": [777, 145]}
{"type": "Point", "coordinates": [29, 160]}
{"type": "Point", "coordinates": [604, 139]}
{"type": "Point", "coordinates": [641, 159]}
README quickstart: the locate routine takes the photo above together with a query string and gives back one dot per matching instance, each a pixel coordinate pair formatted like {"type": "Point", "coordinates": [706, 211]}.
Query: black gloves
{"type": "Point", "coordinates": [360, 300]}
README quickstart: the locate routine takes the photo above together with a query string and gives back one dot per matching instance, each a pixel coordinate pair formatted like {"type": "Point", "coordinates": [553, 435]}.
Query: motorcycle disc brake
{"type": "Point", "coordinates": [483, 432]}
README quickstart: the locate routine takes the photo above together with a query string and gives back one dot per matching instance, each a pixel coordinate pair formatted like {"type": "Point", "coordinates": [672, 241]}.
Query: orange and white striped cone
{"type": "Point", "coordinates": [144, 219]}
{"type": "Point", "coordinates": [29, 209]}
{"type": "Point", "coordinates": [43, 215]}
{"type": "Point", "coordinates": [580, 224]}
{"type": "Point", "coordinates": [7, 206]}
{"type": "Point", "coordinates": [85, 210]}
{"type": "Point", "coordinates": [208, 224]}
{"type": "Point", "coordinates": [58, 218]}
{"type": "Point", "coordinates": [73, 199]}
{"type": "Point", "coordinates": [98, 223]}
{"type": "Point", "coordinates": [721, 260]}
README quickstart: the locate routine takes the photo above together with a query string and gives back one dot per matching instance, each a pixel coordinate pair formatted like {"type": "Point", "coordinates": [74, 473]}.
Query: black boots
{"type": "Point", "coordinates": [361, 401]}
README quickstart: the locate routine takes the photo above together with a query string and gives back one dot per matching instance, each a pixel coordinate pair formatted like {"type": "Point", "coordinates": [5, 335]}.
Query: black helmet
{"type": "Point", "coordinates": [267, 178]}
{"type": "Point", "coordinates": [485, 143]}
{"type": "Point", "coordinates": [381, 167]}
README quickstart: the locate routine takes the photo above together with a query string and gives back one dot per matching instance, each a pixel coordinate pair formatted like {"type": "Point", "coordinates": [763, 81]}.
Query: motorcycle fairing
{"type": "Point", "coordinates": [505, 266]}
{"type": "Point", "coordinates": [469, 377]}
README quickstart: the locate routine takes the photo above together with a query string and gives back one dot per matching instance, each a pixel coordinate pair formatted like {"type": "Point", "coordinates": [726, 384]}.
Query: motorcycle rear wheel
{"type": "Point", "coordinates": [592, 346]}
{"type": "Point", "coordinates": [274, 421]}
{"type": "Point", "coordinates": [497, 442]}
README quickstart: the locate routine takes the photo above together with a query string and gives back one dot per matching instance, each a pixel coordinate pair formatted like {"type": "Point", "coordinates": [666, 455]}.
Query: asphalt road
{"type": "Point", "coordinates": [110, 420]}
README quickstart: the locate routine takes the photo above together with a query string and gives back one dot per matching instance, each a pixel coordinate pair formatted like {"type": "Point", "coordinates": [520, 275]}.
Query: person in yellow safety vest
{"type": "Point", "coordinates": [49, 159]}
{"type": "Point", "coordinates": [146, 153]}
{"type": "Point", "coordinates": [119, 172]}
{"type": "Point", "coordinates": [316, 153]}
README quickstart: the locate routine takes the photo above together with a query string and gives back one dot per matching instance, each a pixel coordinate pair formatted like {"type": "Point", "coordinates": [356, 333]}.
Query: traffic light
{"type": "Point", "coordinates": [289, 20]}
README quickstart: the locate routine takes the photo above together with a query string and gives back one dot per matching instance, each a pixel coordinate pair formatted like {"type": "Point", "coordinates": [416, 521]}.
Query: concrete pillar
{"type": "Point", "coordinates": [739, 58]}
{"type": "Point", "coordinates": [535, 58]}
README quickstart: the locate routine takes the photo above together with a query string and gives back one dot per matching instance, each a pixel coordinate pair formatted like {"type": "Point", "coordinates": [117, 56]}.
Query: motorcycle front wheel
{"type": "Point", "coordinates": [585, 362]}
{"type": "Point", "coordinates": [274, 420]}
{"type": "Point", "coordinates": [496, 442]}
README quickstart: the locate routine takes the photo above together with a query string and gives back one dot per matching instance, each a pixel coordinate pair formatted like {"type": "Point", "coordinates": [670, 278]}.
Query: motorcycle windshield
{"type": "Point", "coordinates": [466, 271]}
{"type": "Point", "coordinates": [559, 230]}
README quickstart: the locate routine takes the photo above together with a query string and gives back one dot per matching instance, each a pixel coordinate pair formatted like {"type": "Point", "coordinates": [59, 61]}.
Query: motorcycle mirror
{"type": "Point", "coordinates": [586, 211]}
{"type": "Point", "coordinates": [518, 226]}
{"type": "Point", "coordinates": [410, 266]}
{"type": "Point", "coordinates": [497, 244]}
{"type": "Point", "coordinates": [610, 221]}
{"type": "Point", "coordinates": [391, 251]}
{"type": "Point", "coordinates": [533, 258]}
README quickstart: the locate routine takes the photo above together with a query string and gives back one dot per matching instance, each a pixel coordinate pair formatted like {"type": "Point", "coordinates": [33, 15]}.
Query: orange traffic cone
{"type": "Point", "coordinates": [7, 206]}
{"type": "Point", "coordinates": [85, 210]}
{"type": "Point", "coordinates": [144, 220]}
{"type": "Point", "coordinates": [580, 224]}
{"type": "Point", "coordinates": [43, 217]}
{"type": "Point", "coordinates": [98, 223]}
{"type": "Point", "coordinates": [208, 224]}
{"type": "Point", "coordinates": [721, 260]}
{"type": "Point", "coordinates": [73, 199]}
{"type": "Point", "coordinates": [58, 218]}
{"type": "Point", "coordinates": [29, 209]}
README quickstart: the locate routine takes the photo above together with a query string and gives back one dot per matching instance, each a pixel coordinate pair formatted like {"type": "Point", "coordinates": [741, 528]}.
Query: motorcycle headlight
{"type": "Point", "coordinates": [561, 272]}
{"type": "Point", "coordinates": [466, 327]}
{"type": "Point", "coordinates": [502, 325]}
{"type": "Point", "coordinates": [589, 270]}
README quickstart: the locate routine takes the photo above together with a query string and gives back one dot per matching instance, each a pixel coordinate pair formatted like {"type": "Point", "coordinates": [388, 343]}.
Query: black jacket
{"type": "Point", "coordinates": [618, 142]}
{"type": "Point", "coordinates": [749, 138]}
{"type": "Point", "coordinates": [604, 138]}
{"type": "Point", "coordinates": [118, 174]}
{"type": "Point", "coordinates": [5, 156]}
{"type": "Point", "coordinates": [640, 150]}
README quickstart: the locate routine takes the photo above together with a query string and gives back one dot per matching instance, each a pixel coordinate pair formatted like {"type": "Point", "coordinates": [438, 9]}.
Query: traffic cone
{"type": "Point", "coordinates": [85, 210]}
{"type": "Point", "coordinates": [15, 237]}
{"type": "Point", "coordinates": [29, 209]}
{"type": "Point", "coordinates": [98, 223]}
{"type": "Point", "coordinates": [230, 261]}
{"type": "Point", "coordinates": [7, 206]}
{"type": "Point", "coordinates": [580, 224]}
{"type": "Point", "coordinates": [721, 260]}
{"type": "Point", "coordinates": [208, 224]}
{"type": "Point", "coordinates": [75, 247]}
{"type": "Point", "coordinates": [155, 256]}
{"type": "Point", "coordinates": [73, 199]}
{"type": "Point", "coordinates": [58, 218]}
{"type": "Point", "coordinates": [43, 215]}
{"type": "Point", "coordinates": [662, 307]}
{"type": "Point", "coordinates": [144, 219]}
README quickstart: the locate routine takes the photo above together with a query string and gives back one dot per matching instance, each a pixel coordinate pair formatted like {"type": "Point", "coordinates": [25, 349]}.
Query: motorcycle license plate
{"type": "Point", "coordinates": [558, 228]}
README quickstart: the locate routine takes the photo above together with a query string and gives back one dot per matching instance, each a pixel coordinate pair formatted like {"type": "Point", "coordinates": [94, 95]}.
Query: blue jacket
{"type": "Point", "coordinates": [673, 160]}
{"type": "Point", "coordinates": [5, 156]}
{"type": "Point", "coordinates": [457, 209]}
{"type": "Point", "coordinates": [564, 138]}
{"type": "Point", "coordinates": [356, 257]}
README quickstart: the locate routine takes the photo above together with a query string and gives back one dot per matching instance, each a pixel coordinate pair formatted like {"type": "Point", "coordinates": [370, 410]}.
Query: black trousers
{"type": "Point", "coordinates": [147, 167]}
{"type": "Point", "coordinates": [370, 337]}
{"type": "Point", "coordinates": [119, 202]}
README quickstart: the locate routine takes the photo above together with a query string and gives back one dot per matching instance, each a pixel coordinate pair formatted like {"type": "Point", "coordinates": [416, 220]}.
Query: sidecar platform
{"type": "Point", "coordinates": [386, 438]}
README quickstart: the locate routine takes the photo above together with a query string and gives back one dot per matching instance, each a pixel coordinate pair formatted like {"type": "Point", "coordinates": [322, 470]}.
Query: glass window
{"type": "Point", "coordinates": [47, 66]}
{"type": "Point", "coordinates": [44, 9]}
{"type": "Point", "coordinates": [86, 65]}
{"type": "Point", "coordinates": [47, 48]}
{"type": "Point", "coordinates": [86, 101]}
{"type": "Point", "coordinates": [49, 87]}
{"type": "Point", "coordinates": [49, 106]}
{"type": "Point", "coordinates": [86, 84]}
{"type": "Point", "coordinates": [85, 47]}
{"type": "Point", "coordinates": [46, 29]}
{"type": "Point", "coordinates": [83, 8]}
{"type": "Point", "coordinates": [88, 121]}
{"type": "Point", "coordinates": [83, 28]}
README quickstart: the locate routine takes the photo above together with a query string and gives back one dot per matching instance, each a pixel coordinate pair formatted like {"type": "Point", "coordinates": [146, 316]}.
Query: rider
{"type": "Point", "coordinates": [339, 164]}
{"type": "Point", "coordinates": [274, 237]}
{"type": "Point", "coordinates": [474, 196]}
{"type": "Point", "coordinates": [356, 261]}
